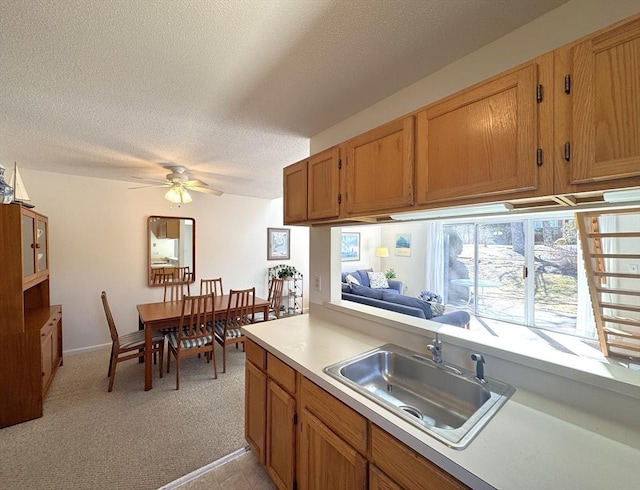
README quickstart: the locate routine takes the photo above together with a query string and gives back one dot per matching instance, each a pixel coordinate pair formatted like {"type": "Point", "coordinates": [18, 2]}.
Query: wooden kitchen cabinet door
{"type": "Point", "coordinates": [326, 461]}
{"type": "Point", "coordinates": [379, 481]}
{"type": "Point", "coordinates": [324, 184]}
{"type": "Point", "coordinates": [281, 436]}
{"type": "Point", "coordinates": [255, 410]}
{"type": "Point", "coordinates": [295, 193]}
{"type": "Point", "coordinates": [598, 110]}
{"type": "Point", "coordinates": [379, 169]}
{"type": "Point", "coordinates": [481, 142]}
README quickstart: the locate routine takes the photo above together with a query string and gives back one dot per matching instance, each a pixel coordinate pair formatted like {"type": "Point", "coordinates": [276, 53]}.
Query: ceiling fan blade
{"type": "Point", "coordinates": [207, 190]}
{"type": "Point", "coordinates": [196, 182]}
{"type": "Point", "coordinates": [148, 186]}
{"type": "Point", "coordinates": [149, 181]}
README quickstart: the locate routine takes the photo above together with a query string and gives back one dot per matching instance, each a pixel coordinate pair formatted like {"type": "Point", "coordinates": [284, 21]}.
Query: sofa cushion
{"type": "Point", "coordinates": [364, 277]}
{"type": "Point", "coordinates": [409, 301]}
{"type": "Point", "coordinates": [378, 280]}
{"type": "Point", "coordinates": [346, 288]}
{"type": "Point", "coordinates": [365, 291]}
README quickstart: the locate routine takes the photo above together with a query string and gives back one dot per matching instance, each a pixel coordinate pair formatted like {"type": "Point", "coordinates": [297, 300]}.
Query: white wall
{"type": "Point", "coordinates": [98, 233]}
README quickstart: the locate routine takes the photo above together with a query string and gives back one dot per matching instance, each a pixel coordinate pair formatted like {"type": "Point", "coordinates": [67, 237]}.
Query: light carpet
{"type": "Point", "coordinates": [128, 438]}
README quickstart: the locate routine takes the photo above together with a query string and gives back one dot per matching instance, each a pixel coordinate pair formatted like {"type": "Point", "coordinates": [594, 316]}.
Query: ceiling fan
{"type": "Point", "coordinates": [179, 185]}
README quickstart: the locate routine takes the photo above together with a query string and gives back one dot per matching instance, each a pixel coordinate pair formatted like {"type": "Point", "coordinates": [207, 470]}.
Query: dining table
{"type": "Point", "coordinates": [166, 314]}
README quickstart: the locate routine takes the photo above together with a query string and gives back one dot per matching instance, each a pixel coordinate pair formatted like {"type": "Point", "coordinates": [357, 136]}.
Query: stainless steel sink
{"type": "Point", "coordinates": [444, 401]}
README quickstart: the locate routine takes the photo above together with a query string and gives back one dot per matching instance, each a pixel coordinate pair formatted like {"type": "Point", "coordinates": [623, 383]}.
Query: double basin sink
{"type": "Point", "coordinates": [445, 401]}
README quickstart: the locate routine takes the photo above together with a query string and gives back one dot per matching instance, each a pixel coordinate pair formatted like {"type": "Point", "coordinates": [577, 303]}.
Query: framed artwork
{"type": "Point", "coordinates": [278, 244]}
{"type": "Point", "coordinates": [403, 244]}
{"type": "Point", "coordinates": [350, 247]}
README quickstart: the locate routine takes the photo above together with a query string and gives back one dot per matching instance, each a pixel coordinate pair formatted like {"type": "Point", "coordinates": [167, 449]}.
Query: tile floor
{"type": "Point", "coordinates": [241, 473]}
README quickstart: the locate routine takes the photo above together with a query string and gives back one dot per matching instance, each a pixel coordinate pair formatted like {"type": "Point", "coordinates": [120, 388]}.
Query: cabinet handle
{"type": "Point", "coordinates": [567, 151]}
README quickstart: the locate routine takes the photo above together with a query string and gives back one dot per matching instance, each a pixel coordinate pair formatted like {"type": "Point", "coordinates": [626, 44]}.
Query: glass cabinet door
{"type": "Point", "coordinates": [42, 260]}
{"type": "Point", "coordinates": [28, 246]}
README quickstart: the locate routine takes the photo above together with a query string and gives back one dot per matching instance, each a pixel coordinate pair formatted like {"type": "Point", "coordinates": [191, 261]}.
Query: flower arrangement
{"type": "Point", "coordinates": [286, 272]}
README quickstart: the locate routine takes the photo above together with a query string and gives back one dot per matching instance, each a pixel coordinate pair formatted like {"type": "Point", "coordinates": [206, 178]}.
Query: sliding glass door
{"type": "Point", "coordinates": [520, 271]}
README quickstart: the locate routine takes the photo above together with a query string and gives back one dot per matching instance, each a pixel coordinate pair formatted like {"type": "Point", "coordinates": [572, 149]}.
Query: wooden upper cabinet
{"type": "Point", "coordinates": [598, 110]}
{"type": "Point", "coordinates": [379, 169]}
{"type": "Point", "coordinates": [324, 184]}
{"type": "Point", "coordinates": [481, 142]}
{"type": "Point", "coordinates": [295, 193]}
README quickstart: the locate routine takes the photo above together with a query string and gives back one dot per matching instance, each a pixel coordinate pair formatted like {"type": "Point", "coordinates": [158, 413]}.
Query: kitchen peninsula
{"type": "Point", "coordinates": [533, 441]}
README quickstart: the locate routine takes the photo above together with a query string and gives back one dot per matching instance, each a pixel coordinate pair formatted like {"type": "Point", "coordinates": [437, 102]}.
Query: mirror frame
{"type": "Point", "coordinates": [150, 219]}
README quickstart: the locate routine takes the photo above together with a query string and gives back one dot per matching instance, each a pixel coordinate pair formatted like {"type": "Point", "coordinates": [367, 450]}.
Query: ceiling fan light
{"type": "Point", "coordinates": [173, 195]}
{"type": "Point", "coordinates": [184, 195]}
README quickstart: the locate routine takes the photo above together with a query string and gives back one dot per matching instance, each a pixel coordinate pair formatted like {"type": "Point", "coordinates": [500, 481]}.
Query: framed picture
{"type": "Point", "coordinates": [403, 245]}
{"type": "Point", "coordinates": [350, 247]}
{"type": "Point", "coordinates": [278, 244]}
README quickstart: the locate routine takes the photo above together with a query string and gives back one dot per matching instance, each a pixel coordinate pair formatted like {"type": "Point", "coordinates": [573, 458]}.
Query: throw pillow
{"type": "Point", "coordinates": [352, 280]}
{"type": "Point", "coordinates": [436, 308]}
{"type": "Point", "coordinates": [378, 280]}
{"type": "Point", "coordinates": [366, 292]}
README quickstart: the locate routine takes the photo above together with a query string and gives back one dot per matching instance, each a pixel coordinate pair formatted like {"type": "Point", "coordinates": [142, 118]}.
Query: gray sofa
{"type": "Point", "coordinates": [391, 299]}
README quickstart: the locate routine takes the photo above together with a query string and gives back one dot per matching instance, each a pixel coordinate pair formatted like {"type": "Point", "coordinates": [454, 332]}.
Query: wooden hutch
{"type": "Point", "coordinates": [30, 327]}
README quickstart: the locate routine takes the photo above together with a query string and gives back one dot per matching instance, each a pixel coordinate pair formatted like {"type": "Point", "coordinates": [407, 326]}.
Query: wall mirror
{"type": "Point", "coordinates": [171, 249]}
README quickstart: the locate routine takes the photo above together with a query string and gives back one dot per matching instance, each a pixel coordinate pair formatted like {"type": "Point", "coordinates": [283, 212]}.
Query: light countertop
{"type": "Point", "coordinates": [532, 441]}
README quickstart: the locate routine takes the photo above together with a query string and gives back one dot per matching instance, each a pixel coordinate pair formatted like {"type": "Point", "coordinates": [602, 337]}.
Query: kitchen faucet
{"type": "Point", "coordinates": [436, 350]}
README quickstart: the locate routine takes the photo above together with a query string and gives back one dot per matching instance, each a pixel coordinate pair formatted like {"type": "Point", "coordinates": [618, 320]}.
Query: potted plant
{"type": "Point", "coordinates": [287, 272]}
{"type": "Point", "coordinates": [390, 274]}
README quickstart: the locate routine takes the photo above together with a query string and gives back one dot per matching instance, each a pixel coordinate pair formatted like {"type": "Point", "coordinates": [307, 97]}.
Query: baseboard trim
{"type": "Point", "coordinates": [205, 469]}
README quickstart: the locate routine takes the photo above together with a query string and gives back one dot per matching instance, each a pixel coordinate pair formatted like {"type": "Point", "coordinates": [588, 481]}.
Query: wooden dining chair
{"type": "Point", "coordinates": [181, 273]}
{"type": "Point", "coordinates": [128, 346]}
{"type": "Point", "coordinates": [193, 337]}
{"type": "Point", "coordinates": [208, 286]}
{"type": "Point", "coordinates": [160, 276]}
{"type": "Point", "coordinates": [175, 290]}
{"type": "Point", "coordinates": [275, 300]}
{"type": "Point", "coordinates": [239, 312]}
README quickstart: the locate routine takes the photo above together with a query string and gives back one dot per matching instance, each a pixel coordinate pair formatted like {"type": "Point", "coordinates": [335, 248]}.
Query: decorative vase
{"type": "Point", "coordinates": [6, 191]}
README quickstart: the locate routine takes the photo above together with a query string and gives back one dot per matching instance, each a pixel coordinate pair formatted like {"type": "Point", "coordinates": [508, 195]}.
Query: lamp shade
{"type": "Point", "coordinates": [382, 252]}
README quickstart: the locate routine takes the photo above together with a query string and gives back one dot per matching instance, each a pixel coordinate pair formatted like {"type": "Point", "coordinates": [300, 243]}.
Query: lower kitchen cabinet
{"type": "Point", "coordinates": [326, 461]}
{"type": "Point", "coordinates": [379, 481]}
{"type": "Point", "coordinates": [270, 414]}
{"type": "Point", "coordinates": [406, 467]}
{"type": "Point", "coordinates": [308, 439]}
{"type": "Point", "coordinates": [281, 436]}
{"type": "Point", "coordinates": [255, 409]}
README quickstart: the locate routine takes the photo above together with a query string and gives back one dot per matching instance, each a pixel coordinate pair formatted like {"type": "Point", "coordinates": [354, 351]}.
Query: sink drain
{"type": "Point", "coordinates": [411, 411]}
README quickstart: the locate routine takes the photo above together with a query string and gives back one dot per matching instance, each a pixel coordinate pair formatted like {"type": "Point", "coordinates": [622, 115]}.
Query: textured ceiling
{"type": "Point", "coordinates": [231, 89]}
